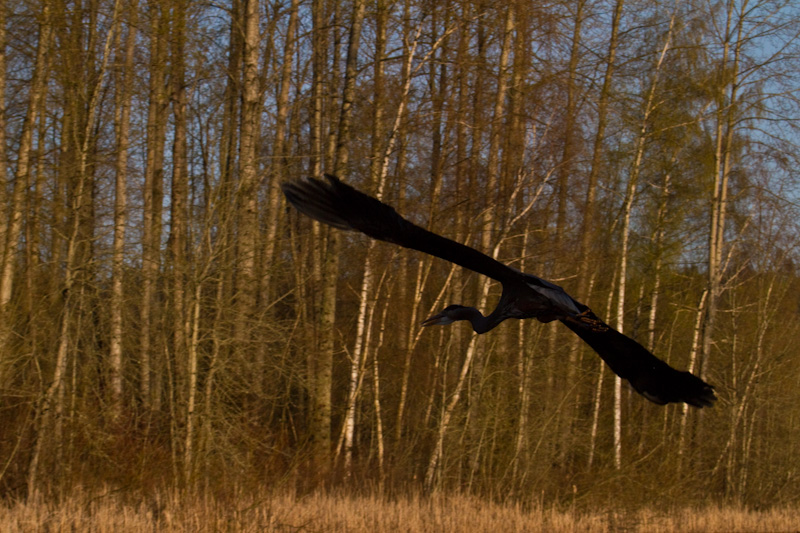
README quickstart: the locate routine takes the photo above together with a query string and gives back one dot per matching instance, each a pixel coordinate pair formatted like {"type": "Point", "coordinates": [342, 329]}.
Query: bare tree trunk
{"type": "Point", "coordinates": [492, 164]}
{"type": "Point", "coordinates": [280, 166]}
{"type": "Point", "coordinates": [124, 86]}
{"type": "Point", "coordinates": [247, 200]}
{"type": "Point", "coordinates": [321, 395]}
{"type": "Point", "coordinates": [376, 385]}
{"type": "Point", "coordinates": [630, 195]}
{"type": "Point", "coordinates": [658, 241]}
{"type": "Point", "coordinates": [423, 267]}
{"type": "Point", "coordinates": [232, 98]}
{"type": "Point", "coordinates": [319, 365]}
{"type": "Point", "coordinates": [693, 356]}
{"type": "Point", "coordinates": [51, 402]}
{"type": "Point", "coordinates": [586, 251]}
{"type": "Point", "coordinates": [341, 157]}
{"type": "Point", "coordinates": [13, 228]}
{"type": "Point", "coordinates": [179, 228]}
{"type": "Point", "coordinates": [570, 150]}
{"type": "Point", "coordinates": [597, 152]}
{"type": "Point", "coordinates": [724, 133]}
{"type": "Point", "coordinates": [318, 44]}
{"type": "Point", "coordinates": [523, 369]}
{"type": "Point", "coordinates": [360, 349]}
{"type": "Point", "coordinates": [37, 284]}
{"type": "Point", "coordinates": [492, 209]}
{"type": "Point", "coordinates": [568, 162]}
{"type": "Point", "coordinates": [3, 168]}
{"type": "Point", "coordinates": [333, 82]}
{"type": "Point", "coordinates": [207, 433]}
{"type": "Point", "coordinates": [153, 197]}
{"type": "Point", "coordinates": [598, 394]}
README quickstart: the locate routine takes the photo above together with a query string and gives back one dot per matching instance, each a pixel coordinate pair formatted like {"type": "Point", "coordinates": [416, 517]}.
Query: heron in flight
{"type": "Point", "coordinates": [524, 295]}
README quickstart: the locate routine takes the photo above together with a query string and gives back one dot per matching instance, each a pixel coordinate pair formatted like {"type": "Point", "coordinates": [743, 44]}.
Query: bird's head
{"type": "Point", "coordinates": [449, 314]}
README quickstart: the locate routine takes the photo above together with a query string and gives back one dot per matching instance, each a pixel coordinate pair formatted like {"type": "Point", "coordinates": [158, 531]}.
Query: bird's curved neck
{"type": "Point", "coordinates": [480, 323]}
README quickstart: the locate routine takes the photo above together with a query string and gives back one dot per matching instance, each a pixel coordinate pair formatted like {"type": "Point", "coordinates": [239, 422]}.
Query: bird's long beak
{"type": "Point", "coordinates": [433, 320]}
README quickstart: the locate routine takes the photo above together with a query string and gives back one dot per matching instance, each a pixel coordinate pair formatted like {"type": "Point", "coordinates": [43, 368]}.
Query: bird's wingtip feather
{"type": "Point", "coordinates": [316, 199]}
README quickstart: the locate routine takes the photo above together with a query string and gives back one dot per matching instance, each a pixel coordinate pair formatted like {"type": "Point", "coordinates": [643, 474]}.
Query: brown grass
{"type": "Point", "coordinates": [329, 513]}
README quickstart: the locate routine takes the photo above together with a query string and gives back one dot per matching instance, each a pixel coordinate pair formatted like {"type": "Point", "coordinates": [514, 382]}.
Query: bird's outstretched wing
{"type": "Point", "coordinates": [648, 375]}
{"type": "Point", "coordinates": [341, 206]}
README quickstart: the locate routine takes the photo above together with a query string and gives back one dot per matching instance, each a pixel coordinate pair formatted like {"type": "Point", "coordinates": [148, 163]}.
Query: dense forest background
{"type": "Point", "coordinates": [166, 321]}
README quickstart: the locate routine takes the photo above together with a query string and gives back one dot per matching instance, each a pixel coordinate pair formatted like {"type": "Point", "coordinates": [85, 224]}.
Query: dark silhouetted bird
{"type": "Point", "coordinates": [524, 295]}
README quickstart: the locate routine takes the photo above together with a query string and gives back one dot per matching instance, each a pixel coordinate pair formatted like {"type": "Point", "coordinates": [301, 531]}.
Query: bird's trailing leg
{"type": "Point", "coordinates": [588, 318]}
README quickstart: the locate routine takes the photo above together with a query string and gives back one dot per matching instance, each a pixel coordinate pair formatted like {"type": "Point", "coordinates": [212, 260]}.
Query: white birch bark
{"type": "Point", "coordinates": [630, 196]}
{"type": "Point", "coordinates": [52, 397]}
{"type": "Point", "coordinates": [693, 356]}
{"type": "Point", "coordinates": [122, 124]}
{"type": "Point", "coordinates": [379, 170]}
{"type": "Point", "coordinates": [13, 224]}
{"type": "Point", "coordinates": [360, 348]}
{"type": "Point", "coordinates": [447, 413]}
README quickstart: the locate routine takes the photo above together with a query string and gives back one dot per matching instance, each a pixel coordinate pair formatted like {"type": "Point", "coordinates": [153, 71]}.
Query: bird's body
{"type": "Point", "coordinates": [524, 295]}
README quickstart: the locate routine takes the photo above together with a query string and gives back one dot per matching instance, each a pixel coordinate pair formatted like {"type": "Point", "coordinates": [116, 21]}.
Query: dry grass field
{"type": "Point", "coordinates": [330, 513]}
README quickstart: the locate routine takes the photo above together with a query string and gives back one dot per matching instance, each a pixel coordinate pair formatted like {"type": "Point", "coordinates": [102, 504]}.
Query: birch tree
{"type": "Point", "coordinates": [153, 192]}
{"type": "Point", "coordinates": [248, 170]}
{"type": "Point", "coordinates": [630, 196]}
{"type": "Point", "coordinates": [124, 85]}
{"type": "Point", "coordinates": [13, 223]}
{"type": "Point", "coordinates": [50, 409]}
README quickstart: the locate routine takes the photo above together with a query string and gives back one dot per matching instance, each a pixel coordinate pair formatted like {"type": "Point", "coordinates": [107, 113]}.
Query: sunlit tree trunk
{"type": "Point", "coordinates": [330, 267]}
{"type": "Point", "coordinates": [598, 392]}
{"type": "Point", "coordinates": [491, 215]}
{"type": "Point", "coordinates": [568, 162]}
{"type": "Point", "coordinates": [422, 267]}
{"type": "Point", "coordinates": [595, 167]}
{"type": "Point", "coordinates": [570, 150]}
{"type": "Point", "coordinates": [658, 244]}
{"type": "Point", "coordinates": [178, 243]}
{"type": "Point", "coordinates": [3, 174]}
{"type": "Point", "coordinates": [13, 223]}
{"type": "Point", "coordinates": [627, 210]}
{"type": "Point", "coordinates": [336, 26]}
{"type": "Point", "coordinates": [12, 235]}
{"type": "Point", "coordinates": [247, 200]}
{"type": "Point", "coordinates": [523, 369]}
{"type": "Point", "coordinates": [495, 135]}
{"type": "Point", "coordinates": [280, 167]}
{"type": "Point", "coordinates": [153, 198]}
{"type": "Point", "coordinates": [724, 134]}
{"type": "Point", "coordinates": [319, 365]}
{"type": "Point", "coordinates": [376, 398]}
{"type": "Point", "coordinates": [124, 85]}
{"type": "Point", "coordinates": [51, 407]}
{"type": "Point", "coordinates": [361, 348]}
{"type": "Point", "coordinates": [693, 356]}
